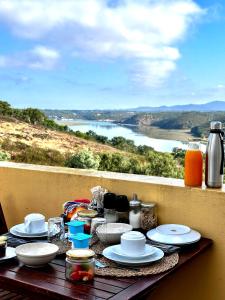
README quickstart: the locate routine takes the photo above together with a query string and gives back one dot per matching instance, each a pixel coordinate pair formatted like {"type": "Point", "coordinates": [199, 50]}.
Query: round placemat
{"type": "Point", "coordinates": [115, 270]}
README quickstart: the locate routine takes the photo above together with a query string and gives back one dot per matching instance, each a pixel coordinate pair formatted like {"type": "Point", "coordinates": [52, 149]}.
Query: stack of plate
{"type": "Point", "coordinates": [19, 230]}
{"type": "Point", "coordinates": [174, 234]}
{"type": "Point", "coordinates": [116, 254]}
{"type": "Point", "coordinates": [10, 253]}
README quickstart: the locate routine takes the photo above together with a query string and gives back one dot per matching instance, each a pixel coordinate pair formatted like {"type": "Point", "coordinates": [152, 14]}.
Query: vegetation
{"type": "Point", "coordinates": [154, 163]}
{"type": "Point", "coordinates": [4, 156]}
{"type": "Point", "coordinates": [29, 115]}
{"type": "Point", "coordinates": [84, 159]}
{"type": "Point", "coordinates": [129, 159]}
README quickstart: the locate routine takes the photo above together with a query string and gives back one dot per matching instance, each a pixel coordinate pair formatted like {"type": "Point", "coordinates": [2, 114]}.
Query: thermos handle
{"type": "Point", "coordinates": [222, 150]}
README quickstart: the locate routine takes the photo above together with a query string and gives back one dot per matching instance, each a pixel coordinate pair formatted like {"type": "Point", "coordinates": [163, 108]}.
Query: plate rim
{"type": "Point", "coordinates": [174, 243]}
{"type": "Point", "coordinates": [43, 232]}
{"type": "Point", "coordinates": [135, 257]}
{"type": "Point", "coordinates": [11, 230]}
{"type": "Point", "coordinates": [137, 262]}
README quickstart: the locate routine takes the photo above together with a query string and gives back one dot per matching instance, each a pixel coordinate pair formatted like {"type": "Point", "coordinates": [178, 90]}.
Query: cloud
{"type": "Point", "coordinates": [143, 33]}
{"type": "Point", "coordinates": [39, 57]}
{"type": "Point", "coordinates": [15, 78]}
{"type": "Point", "coordinates": [220, 86]}
{"type": "Point", "coordinates": [153, 72]}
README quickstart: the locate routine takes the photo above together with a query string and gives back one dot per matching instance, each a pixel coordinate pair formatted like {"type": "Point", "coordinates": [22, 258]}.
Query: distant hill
{"type": "Point", "coordinates": [120, 115]}
{"type": "Point", "coordinates": [207, 107]}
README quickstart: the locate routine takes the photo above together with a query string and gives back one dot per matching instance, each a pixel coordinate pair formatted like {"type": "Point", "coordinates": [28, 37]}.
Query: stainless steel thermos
{"type": "Point", "coordinates": [214, 166]}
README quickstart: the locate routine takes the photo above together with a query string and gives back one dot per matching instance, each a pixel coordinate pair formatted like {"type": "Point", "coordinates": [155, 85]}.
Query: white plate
{"type": "Point", "coordinates": [174, 229]}
{"type": "Point", "coordinates": [14, 232]}
{"type": "Point", "coordinates": [20, 228]}
{"type": "Point", "coordinates": [149, 250]}
{"type": "Point", "coordinates": [108, 253]}
{"type": "Point", "coordinates": [174, 239]}
{"type": "Point", "coordinates": [10, 253]}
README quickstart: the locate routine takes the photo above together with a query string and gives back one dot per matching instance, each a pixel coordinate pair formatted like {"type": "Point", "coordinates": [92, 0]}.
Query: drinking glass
{"type": "Point", "coordinates": [56, 233]}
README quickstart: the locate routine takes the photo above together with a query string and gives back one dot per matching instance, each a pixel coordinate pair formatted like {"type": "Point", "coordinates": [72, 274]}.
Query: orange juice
{"type": "Point", "coordinates": [193, 167]}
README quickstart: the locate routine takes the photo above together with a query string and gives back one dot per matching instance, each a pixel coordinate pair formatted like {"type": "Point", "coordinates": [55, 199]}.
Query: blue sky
{"type": "Point", "coordinates": [91, 54]}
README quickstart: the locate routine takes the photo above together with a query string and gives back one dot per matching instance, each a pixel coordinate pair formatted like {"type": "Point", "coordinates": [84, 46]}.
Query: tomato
{"type": "Point", "coordinates": [77, 268]}
{"type": "Point", "coordinates": [75, 275]}
{"type": "Point", "coordinates": [85, 276]}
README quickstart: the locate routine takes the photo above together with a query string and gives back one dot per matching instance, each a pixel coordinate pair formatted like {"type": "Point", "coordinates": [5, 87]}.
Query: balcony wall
{"type": "Point", "coordinates": [28, 188]}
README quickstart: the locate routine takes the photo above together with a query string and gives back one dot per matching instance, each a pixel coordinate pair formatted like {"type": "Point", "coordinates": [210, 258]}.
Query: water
{"type": "Point", "coordinates": [111, 130]}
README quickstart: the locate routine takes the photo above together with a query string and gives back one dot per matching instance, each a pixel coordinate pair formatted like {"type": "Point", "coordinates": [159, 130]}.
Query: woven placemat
{"type": "Point", "coordinates": [114, 270]}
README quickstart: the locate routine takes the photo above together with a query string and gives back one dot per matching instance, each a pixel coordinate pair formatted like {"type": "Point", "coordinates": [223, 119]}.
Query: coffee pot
{"type": "Point", "coordinates": [214, 167]}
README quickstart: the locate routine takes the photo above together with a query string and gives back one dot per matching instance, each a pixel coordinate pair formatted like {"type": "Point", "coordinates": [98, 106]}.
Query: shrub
{"type": "Point", "coordinates": [114, 162]}
{"type": "Point", "coordinates": [84, 159]}
{"type": "Point", "coordinates": [162, 164]}
{"type": "Point", "coordinates": [36, 155]}
{"type": "Point", "coordinates": [4, 156]}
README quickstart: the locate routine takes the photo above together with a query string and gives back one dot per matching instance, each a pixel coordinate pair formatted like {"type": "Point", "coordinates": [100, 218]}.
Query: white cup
{"type": "Point", "coordinates": [133, 243]}
{"type": "Point", "coordinates": [34, 223]}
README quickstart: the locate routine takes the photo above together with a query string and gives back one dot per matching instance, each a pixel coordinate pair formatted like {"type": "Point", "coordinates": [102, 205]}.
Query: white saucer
{"type": "Point", "coordinates": [149, 250]}
{"type": "Point", "coordinates": [174, 234]}
{"type": "Point", "coordinates": [157, 255]}
{"type": "Point", "coordinates": [10, 253]}
{"type": "Point", "coordinates": [20, 228]}
{"type": "Point", "coordinates": [14, 231]}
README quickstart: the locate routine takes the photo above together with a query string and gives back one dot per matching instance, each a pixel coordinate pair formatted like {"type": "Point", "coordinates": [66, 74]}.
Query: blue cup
{"type": "Point", "coordinates": [75, 227]}
{"type": "Point", "coordinates": [80, 240]}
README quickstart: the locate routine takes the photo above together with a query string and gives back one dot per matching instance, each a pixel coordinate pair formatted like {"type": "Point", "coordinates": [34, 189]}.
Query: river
{"type": "Point", "coordinates": [111, 130]}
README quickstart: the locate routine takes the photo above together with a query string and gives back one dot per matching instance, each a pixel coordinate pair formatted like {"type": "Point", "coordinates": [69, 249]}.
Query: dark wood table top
{"type": "Point", "coordinates": [49, 282]}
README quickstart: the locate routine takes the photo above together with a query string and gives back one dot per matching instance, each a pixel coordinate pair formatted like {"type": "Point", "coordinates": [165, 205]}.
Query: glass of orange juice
{"type": "Point", "coordinates": [193, 165]}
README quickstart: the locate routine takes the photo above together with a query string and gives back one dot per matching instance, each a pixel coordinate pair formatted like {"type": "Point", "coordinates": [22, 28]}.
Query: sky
{"type": "Point", "coordinates": [111, 54]}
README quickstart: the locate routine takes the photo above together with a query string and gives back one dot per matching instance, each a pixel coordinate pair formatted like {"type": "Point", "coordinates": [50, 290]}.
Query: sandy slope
{"type": "Point", "coordinates": [45, 138]}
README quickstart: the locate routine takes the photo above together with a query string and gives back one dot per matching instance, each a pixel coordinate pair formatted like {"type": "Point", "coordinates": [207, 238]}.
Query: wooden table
{"type": "Point", "coordinates": [49, 282]}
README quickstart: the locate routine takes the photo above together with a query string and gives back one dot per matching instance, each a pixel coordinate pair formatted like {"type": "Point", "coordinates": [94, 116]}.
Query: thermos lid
{"type": "Point", "coordinates": [215, 125]}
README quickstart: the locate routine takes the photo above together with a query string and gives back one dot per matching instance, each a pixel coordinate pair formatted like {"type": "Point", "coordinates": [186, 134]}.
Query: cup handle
{"type": "Point", "coordinates": [27, 226]}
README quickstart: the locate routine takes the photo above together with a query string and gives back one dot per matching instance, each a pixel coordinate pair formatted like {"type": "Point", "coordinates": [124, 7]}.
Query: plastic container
{"type": "Point", "coordinates": [80, 265]}
{"type": "Point", "coordinates": [75, 227]}
{"type": "Point", "coordinates": [80, 240]}
{"type": "Point", "coordinates": [193, 166]}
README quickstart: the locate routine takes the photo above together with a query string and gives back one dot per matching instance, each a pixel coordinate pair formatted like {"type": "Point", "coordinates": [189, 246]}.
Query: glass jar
{"type": "Point", "coordinates": [122, 208]}
{"type": "Point", "coordinates": [80, 265]}
{"type": "Point", "coordinates": [148, 216]}
{"type": "Point", "coordinates": [95, 223]}
{"type": "Point", "coordinates": [135, 213]}
{"type": "Point", "coordinates": [109, 203]}
{"type": "Point", "coordinates": [110, 215]}
{"type": "Point", "coordinates": [86, 216]}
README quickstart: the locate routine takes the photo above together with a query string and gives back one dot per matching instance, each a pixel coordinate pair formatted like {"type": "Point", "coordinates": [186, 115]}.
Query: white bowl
{"type": "Point", "coordinates": [36, 254]}
{"type": "Point", "coordinates": [133, 243]}
{"type": "Point", "coordinates": [110, 233]}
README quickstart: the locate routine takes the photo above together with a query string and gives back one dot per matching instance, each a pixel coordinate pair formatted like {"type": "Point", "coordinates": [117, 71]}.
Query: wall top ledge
{"type": "Point", "coordinates": [163, 181]}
